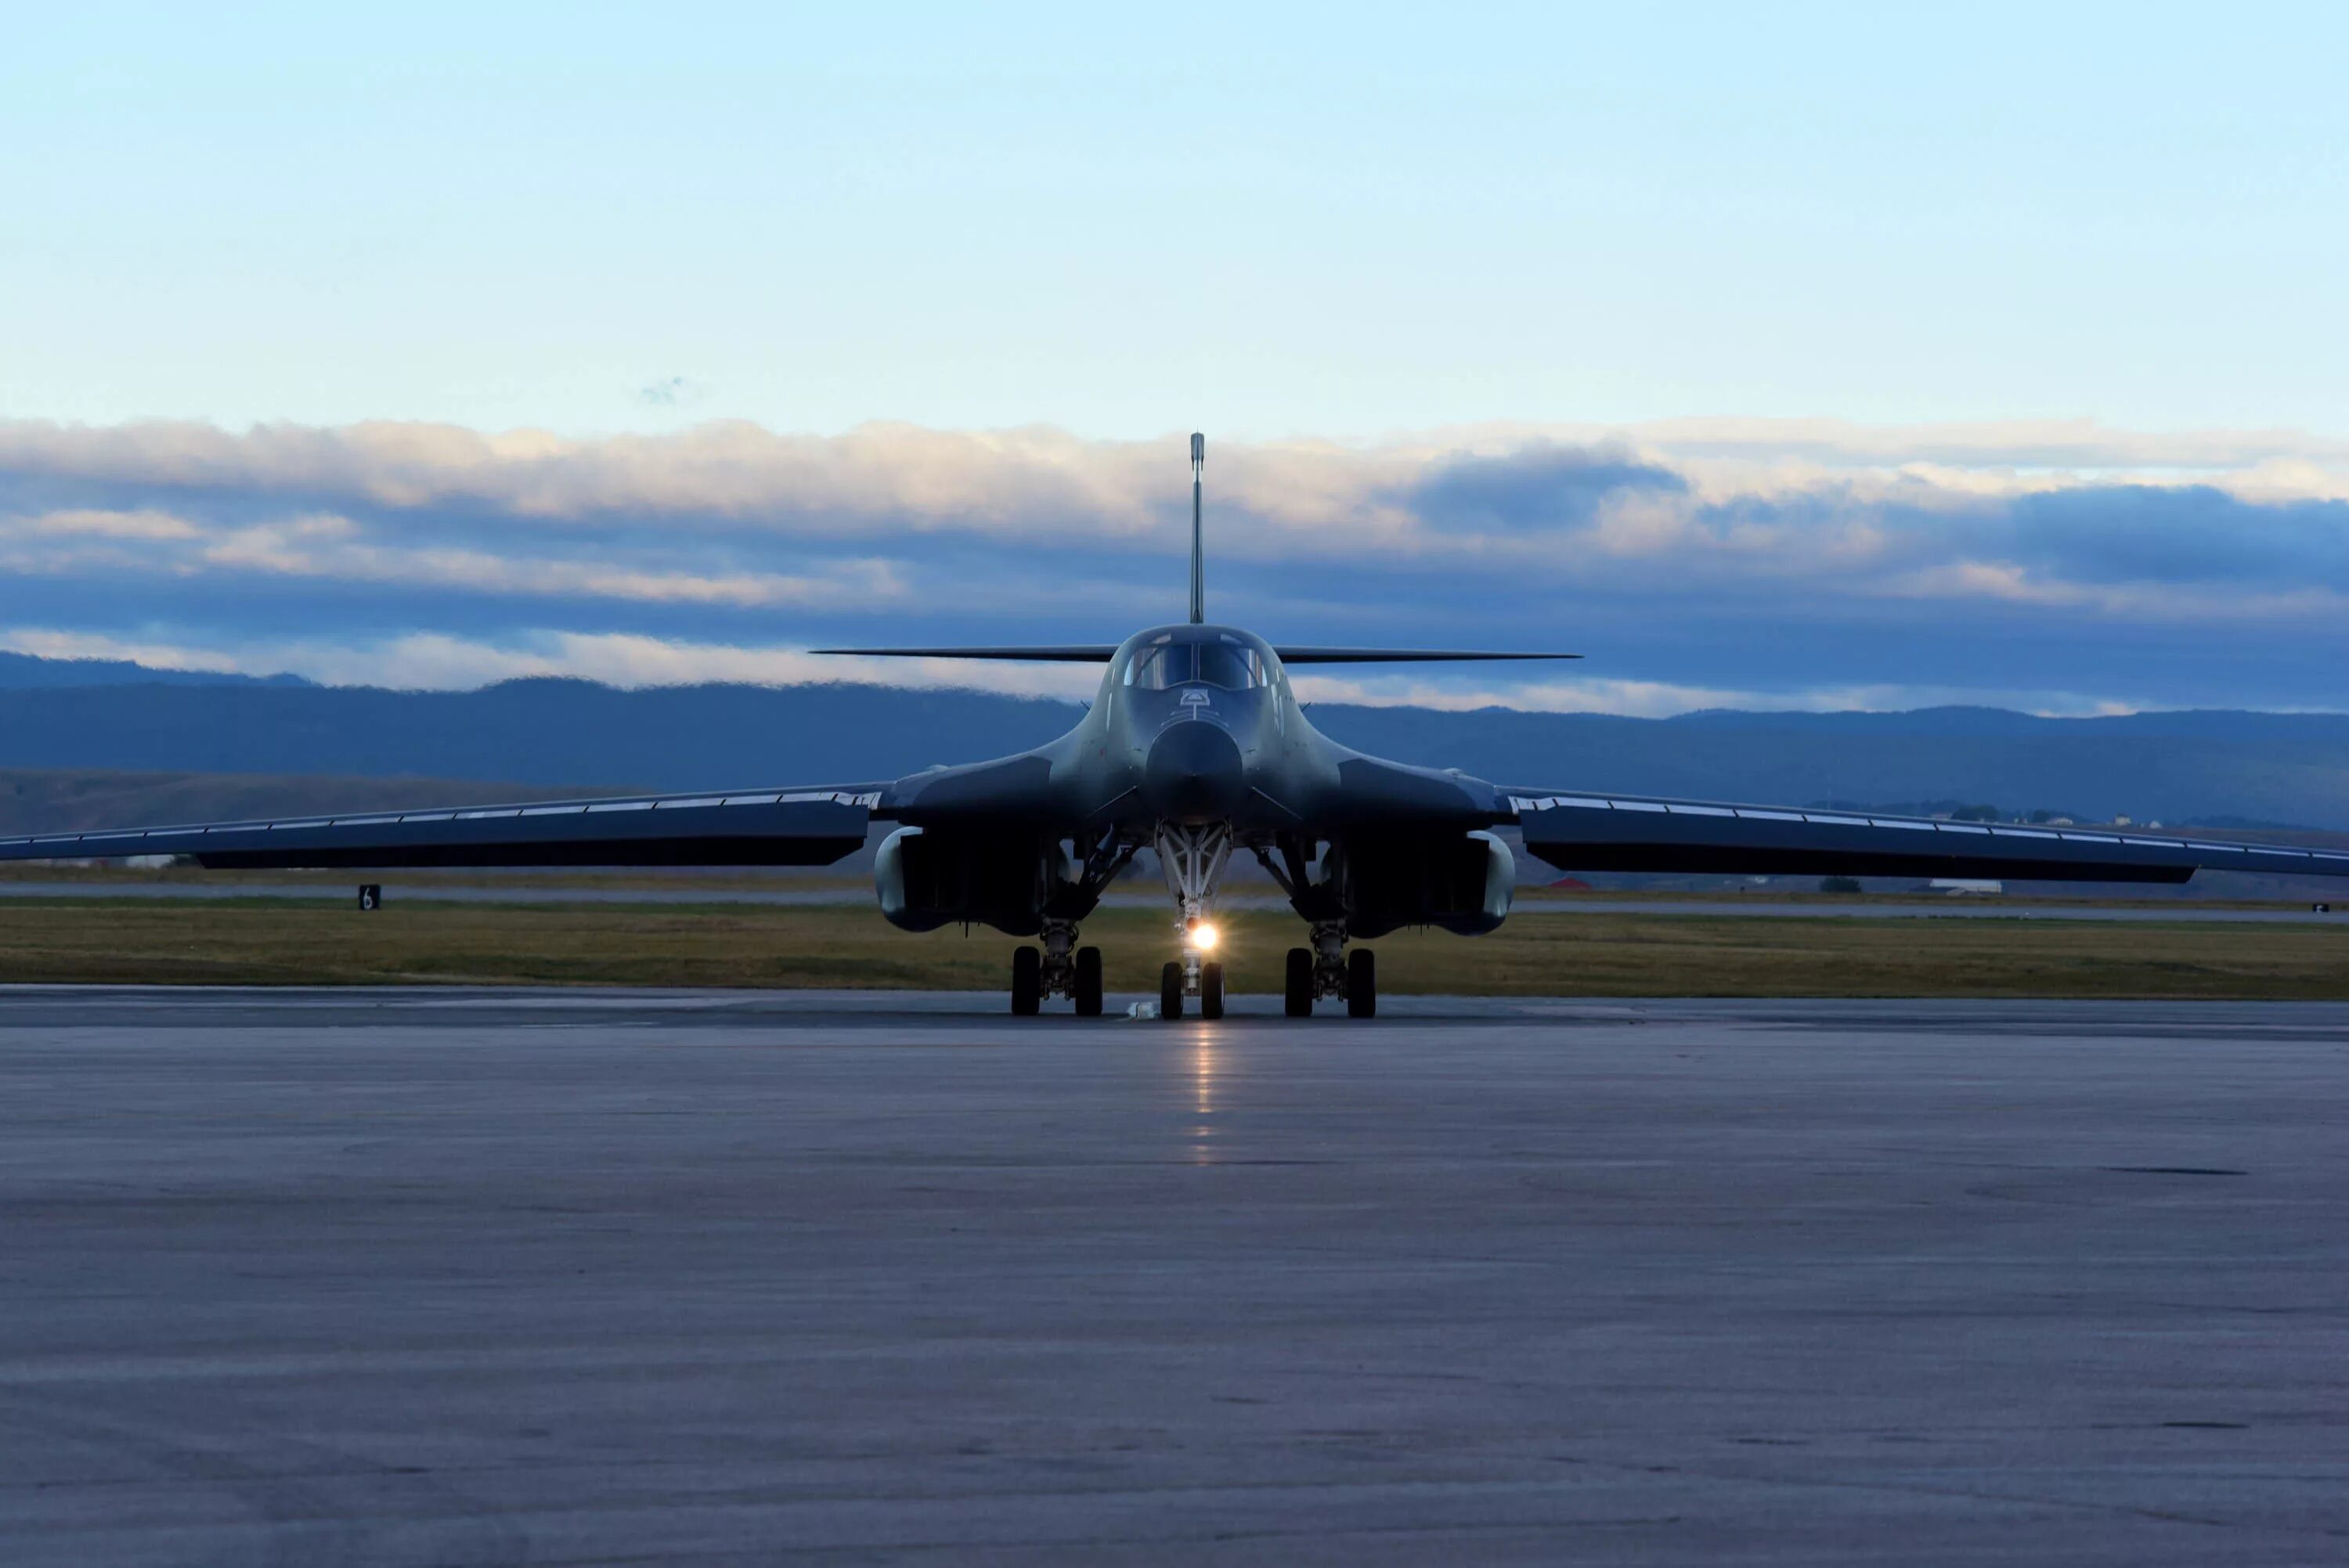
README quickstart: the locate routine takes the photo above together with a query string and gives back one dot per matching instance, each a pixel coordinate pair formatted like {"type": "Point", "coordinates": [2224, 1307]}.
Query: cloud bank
{"type": "Point", "coordinates": [2062, 565]}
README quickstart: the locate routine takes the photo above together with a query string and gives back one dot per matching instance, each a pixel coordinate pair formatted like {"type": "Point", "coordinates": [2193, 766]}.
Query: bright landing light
{"type": "Point", "coordinates": [1202, 937]}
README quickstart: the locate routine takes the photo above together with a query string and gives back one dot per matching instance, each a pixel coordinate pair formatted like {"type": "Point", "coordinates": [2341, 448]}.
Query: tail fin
{"type": "Point", "coordinates": [1198, 549]}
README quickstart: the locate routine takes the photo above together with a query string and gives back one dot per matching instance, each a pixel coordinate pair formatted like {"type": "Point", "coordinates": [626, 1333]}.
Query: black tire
{"type": "Point", "coordinates": [1170, 990]}
{"type": "Point", "coordinates": [1211, 990]}
{"type": "Point", "coordinates": [1297, 995]}
{"type": "Point", "coordinates": [1027, 982]}
{"type": "Point", "coordinates": [1088, 987]}
{"type": "Point", "coordinates": [1362, 984]}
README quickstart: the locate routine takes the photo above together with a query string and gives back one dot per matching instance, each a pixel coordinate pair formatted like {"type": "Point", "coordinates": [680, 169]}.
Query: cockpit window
{"type": "Point", "coordinates": [1225, 663]}
{"type": "Point", "coordinates": [1158, 669]}
{"type": "Point", "coordinates": [1231, 666]}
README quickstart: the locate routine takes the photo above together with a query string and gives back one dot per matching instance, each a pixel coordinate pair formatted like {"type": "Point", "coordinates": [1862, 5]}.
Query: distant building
{"type": "Point", "coordinates": [1963, 885]}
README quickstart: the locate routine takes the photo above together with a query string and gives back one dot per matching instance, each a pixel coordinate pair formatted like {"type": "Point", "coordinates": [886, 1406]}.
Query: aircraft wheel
{"type": "Point", "coordinates": [1362, 984]}
{"type": "Point", "coordinates": [1089, 982]}
{"type": "Point", "coordinates": [1027, 982]}
{"type": "Point", "coordinates": [1297, 995]}
{"type": "Point", "coordinates": [1211, 990]}
{"type": "Point", "coordinates": [1170, 990]}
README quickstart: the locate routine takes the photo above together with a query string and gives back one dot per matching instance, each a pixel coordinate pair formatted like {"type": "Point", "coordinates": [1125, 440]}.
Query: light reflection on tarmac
{"type": "Point", "coordinates": [478, 1276]}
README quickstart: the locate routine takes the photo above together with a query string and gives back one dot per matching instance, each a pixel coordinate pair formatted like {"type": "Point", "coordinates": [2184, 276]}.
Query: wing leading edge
{"type": "Point", "coordinates": [1627, 833]}
{"type": "Point", "coordinates": [802, 827]}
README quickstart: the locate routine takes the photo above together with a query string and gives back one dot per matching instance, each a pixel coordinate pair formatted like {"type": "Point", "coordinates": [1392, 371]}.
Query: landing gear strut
{"type": "Point", "coordinates": [1193, 859]}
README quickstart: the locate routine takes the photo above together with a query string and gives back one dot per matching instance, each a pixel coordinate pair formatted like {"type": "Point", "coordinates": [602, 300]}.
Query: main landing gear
{"type": "Point", "coordinates": [1058, 968]}
{"type": "Point", "coordinates": [1326, 969]}
{"type": "Point", "coordinates": [1194, 858]}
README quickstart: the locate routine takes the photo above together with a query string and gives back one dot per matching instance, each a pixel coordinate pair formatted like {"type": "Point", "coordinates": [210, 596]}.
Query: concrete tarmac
{"type": "Point", "coordinates": [462, 1277]}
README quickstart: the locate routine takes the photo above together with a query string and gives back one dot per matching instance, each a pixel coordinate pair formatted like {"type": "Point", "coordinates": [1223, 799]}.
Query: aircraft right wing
{"type": "Point", "coordinates": [804, 827]}
{"type": "Point", "coordinates": [1589, 832]}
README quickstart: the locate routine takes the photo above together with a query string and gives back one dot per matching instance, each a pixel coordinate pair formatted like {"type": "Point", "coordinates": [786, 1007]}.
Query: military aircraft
{"type": "Point", "coordinates": [1194, 747]}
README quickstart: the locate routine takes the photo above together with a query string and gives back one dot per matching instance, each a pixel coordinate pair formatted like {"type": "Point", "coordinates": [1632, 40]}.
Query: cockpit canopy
{"type": "Point", "coordinates": [1215, 659]}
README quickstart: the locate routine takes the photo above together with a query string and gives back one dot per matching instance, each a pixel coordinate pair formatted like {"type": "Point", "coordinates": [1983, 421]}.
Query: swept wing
{"type": "Point", "coordinates": [1587, 831]}
{"type": "Point", "coordinates": [808, 826]}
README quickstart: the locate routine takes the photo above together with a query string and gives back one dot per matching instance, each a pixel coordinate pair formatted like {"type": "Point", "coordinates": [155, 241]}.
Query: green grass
{"type": "Point", "coordinates": [291, 942]}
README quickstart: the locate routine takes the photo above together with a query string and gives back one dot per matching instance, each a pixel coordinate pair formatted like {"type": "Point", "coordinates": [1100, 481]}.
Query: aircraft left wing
{"type": "Point", "coordinates": [808, 826]}
{"type": "Point", "coordinates": [1590, 832]}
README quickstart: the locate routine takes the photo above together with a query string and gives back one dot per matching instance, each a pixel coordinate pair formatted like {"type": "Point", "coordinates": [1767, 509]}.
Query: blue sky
{"type": "Point", "coordinates": [659, 342]}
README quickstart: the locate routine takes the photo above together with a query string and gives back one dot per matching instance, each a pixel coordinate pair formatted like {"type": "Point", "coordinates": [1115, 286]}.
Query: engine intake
{"type": "Point", "coordinates": [925, 879]}
{"type": "Point", "coordinates": [1463, 884]}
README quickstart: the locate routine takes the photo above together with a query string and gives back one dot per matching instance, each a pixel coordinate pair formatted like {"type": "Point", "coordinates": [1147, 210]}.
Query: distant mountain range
{"type": "Point", "coordinates": [18, 671]}
{"type": "Point", "coordinates": [56, 801]}
{"type": "Point", "coordinates": [2212, 767]}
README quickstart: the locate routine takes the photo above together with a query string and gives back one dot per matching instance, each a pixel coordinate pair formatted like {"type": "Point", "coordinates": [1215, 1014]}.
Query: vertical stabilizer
{"type": "Point", "coordinates": [1198, 553]}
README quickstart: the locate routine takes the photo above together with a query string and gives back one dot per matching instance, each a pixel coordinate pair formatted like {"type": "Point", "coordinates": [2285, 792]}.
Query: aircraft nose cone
{"type": "Point", "coordinates": [1194, 773]}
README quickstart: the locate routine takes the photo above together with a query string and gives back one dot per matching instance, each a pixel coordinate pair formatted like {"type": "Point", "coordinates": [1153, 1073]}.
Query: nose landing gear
{"type": "Point", "coordinates": [1191, 975]}
{"type": "Point", "coordinates": [1193, 858]}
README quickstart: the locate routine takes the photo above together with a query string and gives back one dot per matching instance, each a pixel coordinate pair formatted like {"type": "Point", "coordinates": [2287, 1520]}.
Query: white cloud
{"type": "Point", "coordinates": [1662, 700]}
{"type": "Point", "coordinates": [1962, 531]}
{"type": "Point", "coordinates": [2006, 581]}
{"type": "Point", "coordinates": [89, 523]}
{"type": "Point", "coordinates": [434, 661]}
{"type": "Point", "coordinates": [326, 545]}
{"type": "Point", "coordinates": [1042, 483]}
{"type": "Point", "coordinates": [50, 642]}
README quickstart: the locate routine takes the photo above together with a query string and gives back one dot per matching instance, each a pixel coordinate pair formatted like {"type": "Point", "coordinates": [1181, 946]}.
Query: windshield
{"type": "Point", "coordinates": [1231, 665]}
{"type": "Point", "coordinates": [1155, 669]}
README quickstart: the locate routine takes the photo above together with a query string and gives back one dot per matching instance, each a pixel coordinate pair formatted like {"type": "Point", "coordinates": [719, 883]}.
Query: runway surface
{"type": "Point", "coordinates": [485, 1277]}
{"type": "Point", "coordinates": [1757, 908]}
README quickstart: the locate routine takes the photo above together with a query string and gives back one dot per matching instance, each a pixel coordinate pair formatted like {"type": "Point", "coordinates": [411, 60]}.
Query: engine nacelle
{"type": "Point", "coordinates": [1464, 884]}
{"type": "Point", "coordinates": [925, 879]}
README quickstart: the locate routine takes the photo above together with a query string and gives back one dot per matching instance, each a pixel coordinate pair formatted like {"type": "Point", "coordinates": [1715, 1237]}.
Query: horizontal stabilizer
{"type": "Point", "coordinates": [1102, 653]}
{"type": "Point", "coordinates": [1303, 655]}
{"type": "Point", "coordinates": [1064, 653]}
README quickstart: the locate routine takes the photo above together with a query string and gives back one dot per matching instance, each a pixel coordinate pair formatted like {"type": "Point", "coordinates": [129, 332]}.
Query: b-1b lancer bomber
{"type": "Point", "coordinates": [1197, 749]}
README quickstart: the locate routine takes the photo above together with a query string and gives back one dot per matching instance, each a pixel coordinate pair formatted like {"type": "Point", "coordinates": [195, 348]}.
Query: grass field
{"type": "Point", "coordinates": [1587, 953]}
